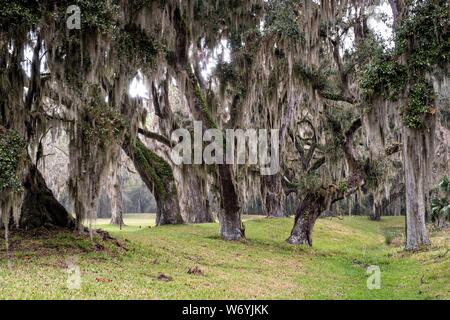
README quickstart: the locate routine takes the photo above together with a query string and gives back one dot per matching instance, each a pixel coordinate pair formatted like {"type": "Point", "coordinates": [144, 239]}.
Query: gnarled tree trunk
{"type": "Point", "coordinates": [157, 175]}
{"type": "Point", "coordinates": [307, 213]}
{"type": "Point", "coordinates": [40, 207]}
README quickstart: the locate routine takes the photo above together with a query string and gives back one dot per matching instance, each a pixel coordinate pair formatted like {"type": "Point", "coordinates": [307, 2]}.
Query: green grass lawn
{"type": "Point", "coordinates": [156, 262]}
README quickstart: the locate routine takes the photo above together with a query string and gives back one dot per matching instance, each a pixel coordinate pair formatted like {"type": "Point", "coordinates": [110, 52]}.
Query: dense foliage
{"type": "Point", "coordinates": [12, 153]}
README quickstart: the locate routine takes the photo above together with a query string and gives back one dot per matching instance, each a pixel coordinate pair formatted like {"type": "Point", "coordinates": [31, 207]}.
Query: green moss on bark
{"type": "Point", "coordinates": [206, 114]}
{"type": "Point", "coordinates": [12, 153]}
{"type": "Point", "coordinates": [157, 169]}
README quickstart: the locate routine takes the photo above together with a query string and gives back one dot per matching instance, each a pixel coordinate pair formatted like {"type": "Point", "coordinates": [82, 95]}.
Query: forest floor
{"type": "Point", "coordinates": [192, 262]}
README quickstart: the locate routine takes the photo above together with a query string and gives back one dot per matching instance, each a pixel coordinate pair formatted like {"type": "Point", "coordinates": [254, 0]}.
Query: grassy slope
{"type": "Point", "coordinates": [264, 267]}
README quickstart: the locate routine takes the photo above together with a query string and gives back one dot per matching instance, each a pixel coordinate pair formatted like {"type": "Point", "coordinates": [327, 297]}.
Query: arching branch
{"type": "Point", "coordinates": [155, 136]}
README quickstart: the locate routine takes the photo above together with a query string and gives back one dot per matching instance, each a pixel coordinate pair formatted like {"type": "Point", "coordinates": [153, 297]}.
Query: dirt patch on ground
{"type": "Point", "coordinates": [196, 271]}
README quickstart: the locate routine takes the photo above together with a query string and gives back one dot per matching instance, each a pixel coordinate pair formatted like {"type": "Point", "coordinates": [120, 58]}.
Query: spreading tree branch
{"type": "Point", "coordinates": [155, 136]}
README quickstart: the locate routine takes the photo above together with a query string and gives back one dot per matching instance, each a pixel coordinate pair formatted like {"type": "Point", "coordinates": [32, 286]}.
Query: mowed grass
{"type": "Point", "coordinates": [156, 263]}
{"type": "Point", "coordinates": [132, 222]}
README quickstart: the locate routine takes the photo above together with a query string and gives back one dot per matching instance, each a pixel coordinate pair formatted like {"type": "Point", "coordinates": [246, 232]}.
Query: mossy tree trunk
{"type": "Point", "coordinates": [190, 179]}
{"type": "Point", "coordinates": [158, 177]}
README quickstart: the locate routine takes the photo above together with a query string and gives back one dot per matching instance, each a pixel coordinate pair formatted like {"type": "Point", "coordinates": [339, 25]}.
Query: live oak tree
{"type": "Point", "coordinates": [349, 116]}
{"type": "Point", "coordinates": [366, 80]}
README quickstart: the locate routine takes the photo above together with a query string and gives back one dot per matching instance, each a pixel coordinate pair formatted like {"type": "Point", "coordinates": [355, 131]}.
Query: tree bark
{"type": "Point", "coordinates": [274, 196]}
{"type": "Point", "coordinates": [315, 203]}
{"type": "Point", "coordinates": [115, 195]}
{"type": "Point", "coordinates": [305, 218]}
{"type": "Point", "coordinates": [417, 155]}
{"type": "Point", "coordinates": [158, 177]}
{"type": "Point", "coordinates": [193, 196]}
{"type": "Point", "coordinates": [230, 217]}
{"type": "Point", "coordinates": [168, 211]}
{"type": "Point", "coordinates": [376, 212]}
{"type": "Point", "coordinates": [40, 207]}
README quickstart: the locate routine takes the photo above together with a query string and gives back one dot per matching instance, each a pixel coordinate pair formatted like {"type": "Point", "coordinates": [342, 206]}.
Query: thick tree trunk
{"type": "Point", "coordinates": [168, 211]}
{"type": "Point", "coordinates": [157, 175]}
{"type": "Point", "coordinates": [305, 218]}
{"type": "Point", "coordinates": [376, 212]}
{"type": "Point", "coordinates": [40, 208]}
{"type": "Point", "coordinates": [377, 208]}
{"type": "Point", "coordinates": [230, 217]}
{"type": "Point", "coordinates": [357, 207]}
{"type": "Point", "coordinates": [417, 154]}
{"type": "Point", "coordinates": [193, 196]}
{"type": "Point", "coordinates": [274, 196]}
